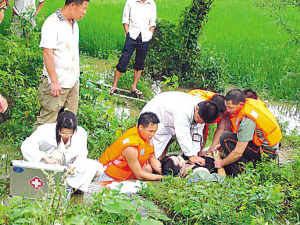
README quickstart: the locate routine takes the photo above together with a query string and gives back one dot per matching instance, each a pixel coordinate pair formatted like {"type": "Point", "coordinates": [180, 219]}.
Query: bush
{"type": "Point", "coordinates": [176, 52]}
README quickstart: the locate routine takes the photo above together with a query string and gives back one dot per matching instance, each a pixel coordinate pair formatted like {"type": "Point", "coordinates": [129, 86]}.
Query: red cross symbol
{"type": "Point", "coordinates": [36, 183]}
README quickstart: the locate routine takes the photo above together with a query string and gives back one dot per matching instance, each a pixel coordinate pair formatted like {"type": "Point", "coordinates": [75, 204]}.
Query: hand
{"type": "Point", "coordinates": [3, 104]}
{"type": "Point", "coordinates": [218, 164]}
{"type": "Point", "coordinates": [201, 153]}
{"type": "Point", "coordinates": [211, 149]}
{"type": "Point", "coordinates": [55, 89]}
{"type": "Point", "coordinates": [197, 159]}
{"type": "Point", "coordinates": [71, 170]}
{"type": "Point", "coordinates": [36, 13]}
{"type": "Point", "coordinates": [50, 160]}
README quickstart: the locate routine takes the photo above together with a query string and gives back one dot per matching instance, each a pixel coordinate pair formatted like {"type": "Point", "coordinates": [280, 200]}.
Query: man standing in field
{"type": "Point", "coordinates": [24, 9]}
{"type": "Point", "coordinates": [60, 42]}
{"type": "Point", "coordinates": [139, 18]}
{"type": "Point", "coordinates": [254, 131]}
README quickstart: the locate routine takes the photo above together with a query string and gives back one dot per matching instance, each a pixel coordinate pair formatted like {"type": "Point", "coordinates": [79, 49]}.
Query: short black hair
{"type": "Point", "coordinates": [220, 101]}
{"type": "Point", "coordinates": [236, 96]}
{"type": "Point", "coordinates": [147, 118]}
{"type": "Point", "coordinates": [168, 167]}
{"type": "Point", "coordinates": [249, 93]}
{"type": "Point", "coordinates": [77, 2]}
{"type": "Point", "coordinates": [65, 119]}
{"type": "Point", "coordinates": [208, 111]}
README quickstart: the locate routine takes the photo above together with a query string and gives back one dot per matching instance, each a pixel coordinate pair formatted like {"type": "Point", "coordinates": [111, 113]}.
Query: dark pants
{"type": "Point", "coordinates": [228, 142]}
{"type": "Point", "coordinates": [129, 47]}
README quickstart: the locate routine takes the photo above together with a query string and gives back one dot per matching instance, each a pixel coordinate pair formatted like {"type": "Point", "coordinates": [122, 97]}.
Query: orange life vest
{"type": "Point", "coordinates": [262, 102]}
{"type": "Point", "coordinates": [206, 95]}
{"type": "Point", "coordinates": [117, 166]}
{"type": "Point", "coordinates": [264, 120]}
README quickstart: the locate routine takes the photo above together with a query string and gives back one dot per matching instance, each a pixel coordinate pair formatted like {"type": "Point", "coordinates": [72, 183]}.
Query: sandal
{"type": "Point", "coordinates": [112, 91]}
{"type": "Point", "coordinates": [137, 92]}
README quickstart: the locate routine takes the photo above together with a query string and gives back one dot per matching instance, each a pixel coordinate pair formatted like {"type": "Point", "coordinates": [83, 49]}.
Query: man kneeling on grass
{"type": "Point", "coordinates": [131, 156]}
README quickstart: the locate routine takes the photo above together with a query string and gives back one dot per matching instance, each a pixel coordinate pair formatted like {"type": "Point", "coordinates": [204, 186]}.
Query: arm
{"type": "Point", "coordinates": [155, 164]}
{"type": "Point", "coordinates": [50, 66]}
{"type": "Point", "coordinates": [3, 104]}
{"type": "Point", "coordinates": [131, 155]}
{"type": "Point", "coordinates": [79, 147]}
{"type": "Point", "coordinates": [233, 156]}
{"type": "Point", "coordinates": [184, 138]}
{"type": "Point", "coordinates": [126, 15]}
{"type": "Point", "coordinates": [40, 5]}
{"type": "Point", "coordinates": [126, 28]}
{"type": "Point", "coordinates": [31, 146]}
{"type": "Point", "coordinates": [153, 19]}
{"type": "Point", "coordinates": [216, 139]}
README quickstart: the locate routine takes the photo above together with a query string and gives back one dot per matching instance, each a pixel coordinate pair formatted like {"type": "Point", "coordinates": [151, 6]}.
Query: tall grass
{"type": "Point", "coordinates": [257, 50]}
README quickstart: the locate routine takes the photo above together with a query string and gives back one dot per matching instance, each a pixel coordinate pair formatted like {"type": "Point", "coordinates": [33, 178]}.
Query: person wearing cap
{"type": "Point", "coordinates": [182, 117]}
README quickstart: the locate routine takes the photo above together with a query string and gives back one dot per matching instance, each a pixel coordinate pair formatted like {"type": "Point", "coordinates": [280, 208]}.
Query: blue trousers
{"type": "Point", "coordinates": [129, 47]}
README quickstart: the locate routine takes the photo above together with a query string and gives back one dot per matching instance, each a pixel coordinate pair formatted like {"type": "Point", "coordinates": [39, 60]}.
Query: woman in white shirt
{"type": "Point", "coordinates": [63, 143]}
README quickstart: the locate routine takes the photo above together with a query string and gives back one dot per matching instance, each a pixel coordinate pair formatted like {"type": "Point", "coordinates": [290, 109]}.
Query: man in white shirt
{"type": "Point", "coordinates": [182, 116]}
{"type": "Point", "coordinates": [27, 10]}
{"type": "Point", "coordinates": [139, 18]}
{"type": "Point", "coordinates": [60, 42]}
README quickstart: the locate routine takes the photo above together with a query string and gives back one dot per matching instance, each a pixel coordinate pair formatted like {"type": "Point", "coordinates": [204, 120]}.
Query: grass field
{"type": "Point", "coordinates": [257, 51]}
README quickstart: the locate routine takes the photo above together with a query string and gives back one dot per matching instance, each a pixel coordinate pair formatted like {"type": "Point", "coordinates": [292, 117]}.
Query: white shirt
{"type": "Point", "coordinates": [23, 6]}
{"type": "Point", "coordinates": [58, 34]}
{"type": "Point", "coordinates": [175, 111]}
{"type": "Point", "coordinates": [140, 17]}
{"type": "Point", "coordinates": [36, 146]}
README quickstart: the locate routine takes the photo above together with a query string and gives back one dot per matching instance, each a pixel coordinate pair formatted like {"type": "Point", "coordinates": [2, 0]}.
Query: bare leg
{"type": "Point", "coordinates": [116, 79]}
{"type": "Point", "coordinates": [137, 74]}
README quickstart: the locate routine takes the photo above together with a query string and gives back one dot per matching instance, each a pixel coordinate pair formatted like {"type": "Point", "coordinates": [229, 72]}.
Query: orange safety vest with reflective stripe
{"type": "Point", "coordinates": [117, 166]}
{"type": "Point", "coordinates": [264, 120]}
{"type": "Point", "coordinates": [206, 95]}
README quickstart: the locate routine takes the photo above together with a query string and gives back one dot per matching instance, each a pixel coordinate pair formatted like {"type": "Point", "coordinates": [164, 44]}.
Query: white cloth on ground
{"type": "Point", "coordinates": [128, 187]}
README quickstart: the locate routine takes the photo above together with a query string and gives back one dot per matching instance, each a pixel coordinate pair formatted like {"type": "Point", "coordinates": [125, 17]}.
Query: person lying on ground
{"type": "Point", "coordinates": [182, 117]}
{"type": "Point", "coordinates": [222, 120]}
{"type": "Point", "coordinates": [3, 104]}
{"type": "Point", "coordinates": [131, 156]}
{"type": "Point", "coordinates": [63, 143]}
{"type": "Point", "coordinates": [175, 165]}
{"type": "Point", "coordinates": [254, 131]}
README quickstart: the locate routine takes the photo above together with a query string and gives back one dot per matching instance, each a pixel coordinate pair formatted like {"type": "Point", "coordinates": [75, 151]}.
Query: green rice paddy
{"type": "Point", "coordinates": [258, 52]}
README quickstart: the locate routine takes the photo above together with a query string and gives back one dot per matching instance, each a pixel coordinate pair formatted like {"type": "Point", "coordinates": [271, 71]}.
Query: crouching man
{"type": "Point", "coordinates": [254, 131]}
{"type": "Point", "coordinates": [131, 156]}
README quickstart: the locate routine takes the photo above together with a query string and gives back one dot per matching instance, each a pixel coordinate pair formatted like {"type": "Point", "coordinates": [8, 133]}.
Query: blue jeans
{"type": "Point", "coordinates": [129, 47]}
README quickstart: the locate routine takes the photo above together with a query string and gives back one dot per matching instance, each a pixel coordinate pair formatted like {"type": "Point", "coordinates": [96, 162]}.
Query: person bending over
{"type": "Point", "coordinates": [182, 118]}
{"type": "Point", "coordinates": [63, 143]}
{"type": "Point", "coordinates": [131, 156]}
